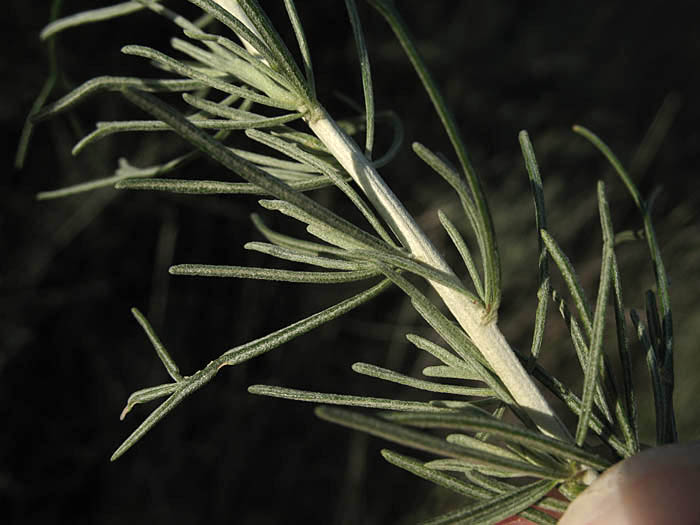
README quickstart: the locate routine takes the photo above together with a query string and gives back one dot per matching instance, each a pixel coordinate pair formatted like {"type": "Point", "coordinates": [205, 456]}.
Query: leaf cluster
{"type": "Point", "coordinates": [252, 83]}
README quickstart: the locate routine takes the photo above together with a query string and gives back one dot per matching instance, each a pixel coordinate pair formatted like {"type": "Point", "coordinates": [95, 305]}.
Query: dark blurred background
{"type": "Point", "coordinates": [70, 269]}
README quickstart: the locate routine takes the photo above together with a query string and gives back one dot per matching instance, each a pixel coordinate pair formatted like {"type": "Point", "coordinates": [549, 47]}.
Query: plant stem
{"type": "Point", "coordinates": [471, 317]}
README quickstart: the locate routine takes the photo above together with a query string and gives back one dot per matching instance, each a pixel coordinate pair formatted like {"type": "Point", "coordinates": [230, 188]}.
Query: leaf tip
{"type": "Point", "coordinates": [124, 412]}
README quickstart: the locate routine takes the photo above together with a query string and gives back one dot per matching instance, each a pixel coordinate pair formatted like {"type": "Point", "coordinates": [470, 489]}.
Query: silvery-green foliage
{"type": "Point", "coordinates": [235, 74]}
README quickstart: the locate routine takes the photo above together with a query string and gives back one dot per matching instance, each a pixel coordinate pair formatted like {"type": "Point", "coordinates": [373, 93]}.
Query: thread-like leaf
{"type": "Point", "coordinates": [418, 440]}
{"type": "Point", "coordinates": [366, 72]}
{"type": "Point", "coordinates": [544, 286]}
{"type": "Point", "coordinates": [626, 361]}
{"type": "Point", "coordinates": [415, 466]}
{"type": "Point", "coordinates": [593, 364]}
{"type": "Point", "coordinates": [395, 377]}
{"type": "Point", "coordinates": [497, 508]}
{"type": "Point", "coordinates": [654, 373]}
{"type": "Point", "coordinates": [190, 72]}
{"type": "Point", "coordinates": [206, 187]}
{"type": "Point", "coordinates": [342, 399]}
{"type": "Point", "coordinates": [464, 252]}
{"type": "Point", "coordinates": [147, 394]}
{"type": "Point", "coordinates": [111, 83]}
{"type": "Point", "coordinates": [105, 129]}
{"type": "Point", "coordinates": [91, 16]}
{"type": "Point", "coordinates": [303, 45]}
{"type": "Point", "coordinates": [506, 431]}
{"type": "Point", "coordinates": [572, 281]}
{"type": "Point", "coordinates": [312, 248]}
{"type": "Point", "coordinates": [291, 254]}
{"type": "Point", "coordinates": [621, 404]}
{"type": "Point", "coordinates": [163, 354]}
{"type": "Point", "coordinates": [269, 274]}
{"type": "Point", "coordinates": [448, 372]}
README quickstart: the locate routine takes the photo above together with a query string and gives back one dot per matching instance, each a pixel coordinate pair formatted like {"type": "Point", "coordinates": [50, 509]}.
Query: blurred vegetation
{"type": "Point", "coordinates": [71, 269]}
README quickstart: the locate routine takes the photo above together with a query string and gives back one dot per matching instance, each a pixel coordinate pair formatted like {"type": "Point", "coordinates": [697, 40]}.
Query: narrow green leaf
{"type": "Point", "coordinates": [89, 17]}
{"type": "Point", "coordinates": [457, 485]}
{"type": "Point", "coordinates": [543, 290]}
{"type": "Point", "coordinates": [654, 373]}
{"type": "Point", "coordinates": [341, 399]}
{"type": "Point", "coordinates": [464, 440]}
{"type": "Point", "coordinates": [366, 70]}
{"type": "Point", "coordinates": [160, 349]}
{"type": "Point", "coordinates": [187, 71]}
{"type": "Point", "coordinates": [147, 394]}
{"type": "Point", "coordinates": [265, 161]}
{"type": "Point", "coordinates": [396, 141]}
{"type": "Point", "coordinates": [416, 467]}
{"type": "Point", "coordinates": [499, 507]}
{"type": "Point", "coordinates": [312, 248]}
{"type": "Point", "coordinates": [654, 325]}
{"type": "Point", "coordinates": [110, 83]}
{"type": "Point", "coordinates": [418, 440]}
{"type": "Point", "coordinates": [207, 187]}
{"type": "Point", "coordinates": [528, 438]}
{"type": "Point", "coordinates": [46, 89]}
{"type": "Point", "coordinates": [395, 377]}
{"type": "Point", "coordinates": [291, 254]}
{"type": "Point", "coordinates": [593, 365]}
{"type": "Point", "coordinates": [444, 355]}
{"type": "Point", "coordinates": [347, 240]}
{"type": "Point", "coordinates": [464, 252]}
{"type": "Point", "coordinates": [448, 372]}
{"type": "Point", "coordinates": [303, 45]}
{"type": "Point", "coordinates": [78, 188]}
{"type": "Point", "coordinates": [622, 414]}
{"type": "Point", "coordinates": [460, 465]}
{"type": "Point", "coordinates": [532, 514]}
{"type": "Point", "coordinates": [105, 129]}
{"type": "Point", "coordinates": [501, 487]}
{"type": "Point", "coordinates": [632, 438]}
{"type": "Point", "coordinates": [269, 274]}
{"type": "Point", "coordinates": [572, 282]}
{"type": "Point", "coordinates": [540, 321]}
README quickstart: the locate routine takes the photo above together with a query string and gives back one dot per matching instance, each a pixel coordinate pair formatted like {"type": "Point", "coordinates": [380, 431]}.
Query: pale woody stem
{"type": "Point", "coordinates": [486, 336]}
